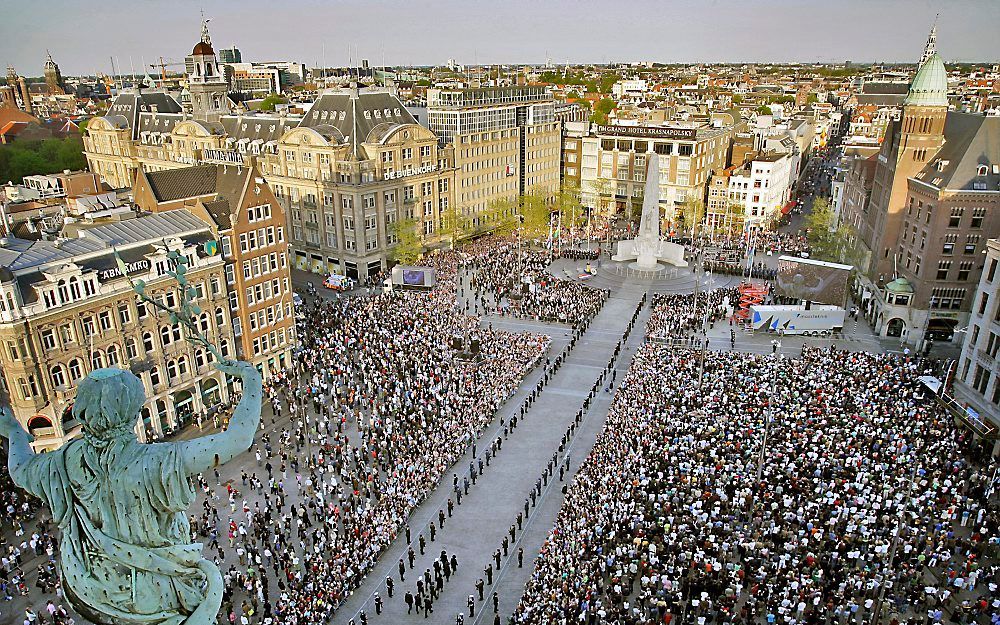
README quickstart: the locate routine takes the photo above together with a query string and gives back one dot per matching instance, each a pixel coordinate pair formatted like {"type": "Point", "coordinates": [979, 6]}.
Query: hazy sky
{"type": "Point", "coordinates": [82, 36]}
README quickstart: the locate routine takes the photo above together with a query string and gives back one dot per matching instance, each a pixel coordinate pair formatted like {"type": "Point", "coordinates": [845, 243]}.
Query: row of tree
{"type": "Point", "coordinates": [48, 156]}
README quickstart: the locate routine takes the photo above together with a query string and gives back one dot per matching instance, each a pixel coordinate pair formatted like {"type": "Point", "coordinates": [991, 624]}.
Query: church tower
{"type": "Point", "coordinates": [930, 48]}
{"type": "Point", "coordinates": [207, 83]}
{"type": "Point", "coordinates": [53, 77]}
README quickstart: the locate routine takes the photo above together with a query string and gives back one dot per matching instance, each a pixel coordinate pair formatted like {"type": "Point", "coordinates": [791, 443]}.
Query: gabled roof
{"type": "Point", "coordinates": [219, 186]}
{"type": "Point", "coordinates": [970, 141]}
{"type": "Point", "coordinates": [130, 104]}
{"type": "Point", "coordinates": [15, 115]}
{"type": "Point", "coordinates": [186, 182]}
{"type": "Point", "coordinates": [355, 113]}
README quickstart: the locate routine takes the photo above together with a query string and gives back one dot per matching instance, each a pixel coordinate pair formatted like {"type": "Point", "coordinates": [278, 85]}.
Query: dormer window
{"type": "Point", "coordinates": [983, 170]}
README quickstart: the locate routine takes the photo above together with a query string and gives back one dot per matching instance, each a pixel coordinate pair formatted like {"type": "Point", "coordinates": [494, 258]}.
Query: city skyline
{"type": "Point", "coordinates": [718, 31]}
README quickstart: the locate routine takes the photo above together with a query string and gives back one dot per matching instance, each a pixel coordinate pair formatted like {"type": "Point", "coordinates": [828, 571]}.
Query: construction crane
{"type": "Point", "coordinates": [163, 65]}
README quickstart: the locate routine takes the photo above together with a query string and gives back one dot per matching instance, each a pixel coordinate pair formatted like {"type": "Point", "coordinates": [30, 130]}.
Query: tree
{"type": "Point", "coordinates": [693, 213]}
{"type": "Point", "coordinates": [828, 241]}
{"type": "Point", "coordinates": [603, 189]}
{"type": "Point", "coordinates": [735, 218]}
{"type": "Point", "coordinates": [454, 225]}
{"type": "Point", "coordinates": [409, 245]}
{"type": "Point", "coordinates": [568, 204]}
{"type": "Point", "coordinates": [48, 156]}
{"type": "Point", "coordinates": [572, 94]}
{"type": "Point", "coordinates": [268, 103]}
{"type": "Point", "coordinates": [534, 214]}
{"type": "Point", "coordinates": [600, 114]}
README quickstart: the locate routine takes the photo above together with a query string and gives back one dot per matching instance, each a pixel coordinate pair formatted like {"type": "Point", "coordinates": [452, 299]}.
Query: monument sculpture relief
{"type": "Point", "coordinates": [125, 551]}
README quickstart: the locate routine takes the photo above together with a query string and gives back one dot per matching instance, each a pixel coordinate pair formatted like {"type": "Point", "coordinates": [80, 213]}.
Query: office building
{"type": "Point", "coordinates": [506, 142]}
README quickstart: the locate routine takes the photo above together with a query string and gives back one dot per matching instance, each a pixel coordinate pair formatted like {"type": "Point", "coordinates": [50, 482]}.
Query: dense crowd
{"type": "Point", "coordinates": [497, 262]}
{"type": "Point", "coordinates": [808, 490]}
{"type": "Point", "coordinates": [376, 410]}
{"type": "Point", "coordinates": [677, 316]}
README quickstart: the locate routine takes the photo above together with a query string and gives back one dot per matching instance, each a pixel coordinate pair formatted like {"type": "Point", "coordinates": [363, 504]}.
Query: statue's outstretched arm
{"type": "Point", "coordinates": [206, 452]}
{"type": "Point", "coordinates": [20, 442]}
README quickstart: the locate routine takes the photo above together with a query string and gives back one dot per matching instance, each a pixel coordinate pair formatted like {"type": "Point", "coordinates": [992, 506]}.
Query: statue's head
{"type": "Point", "coordinates": [108, 402]}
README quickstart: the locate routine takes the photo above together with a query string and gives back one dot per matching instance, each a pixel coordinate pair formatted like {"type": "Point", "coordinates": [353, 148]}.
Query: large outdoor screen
{"type": "Point", "coordinates": [813, 280]}
{"type": "Point", "coordinates": [413, 277]}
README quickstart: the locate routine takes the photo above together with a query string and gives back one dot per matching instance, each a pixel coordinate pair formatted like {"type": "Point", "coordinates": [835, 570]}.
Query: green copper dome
{"type": "Point", "coordinates": [930, 85]}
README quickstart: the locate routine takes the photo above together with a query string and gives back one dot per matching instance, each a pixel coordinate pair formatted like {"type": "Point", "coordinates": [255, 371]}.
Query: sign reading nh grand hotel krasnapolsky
{"type": "Point", "coordinates": [651, 132]}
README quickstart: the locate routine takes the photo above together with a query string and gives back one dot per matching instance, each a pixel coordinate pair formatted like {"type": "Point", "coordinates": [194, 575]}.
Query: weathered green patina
{"type": "Point", "coordinates": [125, 550]}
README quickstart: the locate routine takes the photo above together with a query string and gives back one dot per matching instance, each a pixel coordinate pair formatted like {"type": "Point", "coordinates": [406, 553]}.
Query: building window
{"type": "Point", "coordinates": [964, 269]}
{"type": "Point", "coordinates": [75, 370]}
{"type": "Point", "coordinates": [956, 217]}
{"type": "Point", "coordinates": [948, 248]}
{"type": "Point", "coordinates": [154, 376]}
{"type": "Point", "coordinates": [130, 349]}
{"type": "Point", "coordinates": [942, 270]}
{"type": "Point", "coordinates": [58, 376]}
{"type": "Point", "coordinates": [993, 270]}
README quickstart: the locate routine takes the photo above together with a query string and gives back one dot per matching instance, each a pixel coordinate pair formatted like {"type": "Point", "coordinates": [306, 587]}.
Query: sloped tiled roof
{"type": "Point", "coordinates": [185, 182]}
{"type": "Point", "coordinates": [355, 113]}
{"type": "Point", "coordinates": [970, 141]}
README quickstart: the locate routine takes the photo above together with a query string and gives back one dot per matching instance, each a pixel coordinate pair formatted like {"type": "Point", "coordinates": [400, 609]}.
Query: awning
{"type": "Point", "coordinates": [787, 208]}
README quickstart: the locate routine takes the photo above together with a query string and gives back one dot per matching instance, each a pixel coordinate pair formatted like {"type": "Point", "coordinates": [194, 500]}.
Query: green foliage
{"type": "Point", "coordinates": [535, 213]}
{"type": "Point", "coordinates": [454, 225]}
{"type": "Point", "coordinates": [693, 214]}
{"type": "Point", "coordinates": [409, 245]}
{"type": "Point", "coordinates": [48, 156]}
{"type": "Point", "coordinates": [572, 94]}
{"type": "Point", "coordinates": [82, 125]}
{"type": "Point", "coordinates": [268, 103]}
{"type": "Point", "coordinates": [600, 114]}
{"type": "Point", "coordinates": [763, 109]}
{"type": "Point", "coordinates": [829, 242]}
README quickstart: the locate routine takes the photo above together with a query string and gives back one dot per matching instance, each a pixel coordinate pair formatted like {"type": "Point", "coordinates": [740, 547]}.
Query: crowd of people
{"type": "Point", "coordinates": [375, 411]}
{"type": "Point", "coordinates": [821, 489]}
{"type": "Point", "coordinates": [509, 279]}
{"type": "Point", "coordinates": [681, 316]}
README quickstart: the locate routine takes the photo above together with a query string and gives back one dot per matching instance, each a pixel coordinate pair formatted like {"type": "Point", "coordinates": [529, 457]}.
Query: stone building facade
{"type": "Point", "coordinates": [67, 310]}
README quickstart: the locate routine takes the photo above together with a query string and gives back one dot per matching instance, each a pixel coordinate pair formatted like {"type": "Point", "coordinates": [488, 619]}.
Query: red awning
{"type": "Point", "coordinates": [787, 208]}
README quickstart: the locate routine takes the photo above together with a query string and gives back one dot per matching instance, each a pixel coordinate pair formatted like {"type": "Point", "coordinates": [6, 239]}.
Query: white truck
{"type": "Point", "coordinates": [819, 320]}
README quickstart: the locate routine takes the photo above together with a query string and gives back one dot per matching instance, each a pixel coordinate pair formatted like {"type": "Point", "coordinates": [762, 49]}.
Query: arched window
{"type": "Point", "coordinates": [97, 359]}
{"type": "Point", "coordinates": [58, 376]}
{"type": "Point", "coordinates": [220, 317]}
{"type": "Point", "coordinates": [982, 170]}
{"type": "Point", "coordinates": [171, 370]}
{"type": "Point", "coordinates": [165, 336]}
{"type": "Point", "coordinates": [74, 287]}
{"type": "Point", "coordinates": [175, 331]}
{"type": "Point", "coordinates": [63, 292]}
{"type": "Point", "coordinates": [203, 322]}
{"type": "Point", "coordinates": [75, 371]}
{"type": "Point", "coordinates": [154, 376]}
{"type": "Point", "coordinates": [199, 358]}
{"type": "Point", "coordinates": [224, 348]}
{"type": "Point", "coordinates": [113, 356]}
{"type": "Point", "coordinates": [147, 342]}
{"type": "Point", "coordinates": [182, 366]}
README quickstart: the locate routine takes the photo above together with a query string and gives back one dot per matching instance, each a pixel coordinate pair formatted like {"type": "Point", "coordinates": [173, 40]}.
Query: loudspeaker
{"type": "Point", "coordinates": [457, 342]}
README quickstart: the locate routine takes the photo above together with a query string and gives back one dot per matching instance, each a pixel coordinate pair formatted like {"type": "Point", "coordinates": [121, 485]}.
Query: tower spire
{"type": "Point", "coordinates": [205, 37]}
{"type": "Point", "coordinates": [931, 46]}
